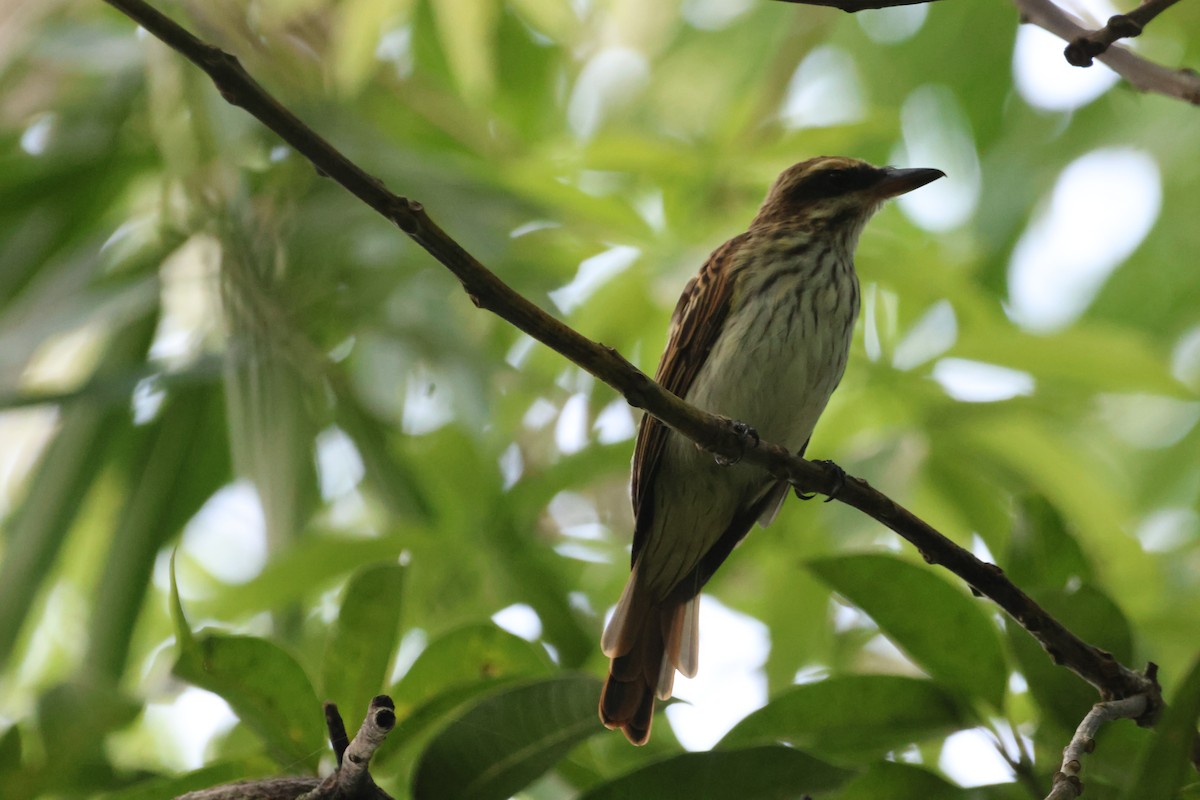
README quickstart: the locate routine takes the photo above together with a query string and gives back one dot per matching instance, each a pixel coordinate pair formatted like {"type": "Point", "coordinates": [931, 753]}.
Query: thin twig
{"type": "Point", "coordinates": [338, 738]}
{"type": "Point", "coordinates": [1112, 679]}
{"type": "Point", "coordinates": [1083, 49]}
{"type": "Point", "coordinates": [350, 781]}
{"type": "Point", "coordinates": [352, 777]}
{"type": "Point", "coordinates": [1141, 74]}
{"type": "Point", "coordinates": [1067, 785]}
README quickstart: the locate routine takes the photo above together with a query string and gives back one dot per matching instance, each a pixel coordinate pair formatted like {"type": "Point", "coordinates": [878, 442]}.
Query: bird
{"type": "Point", "coordinates": [759, 336]}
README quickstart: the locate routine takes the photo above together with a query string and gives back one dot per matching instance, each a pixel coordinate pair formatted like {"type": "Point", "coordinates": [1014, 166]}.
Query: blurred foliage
{"type": "Point", "coordinates": [208, 350]}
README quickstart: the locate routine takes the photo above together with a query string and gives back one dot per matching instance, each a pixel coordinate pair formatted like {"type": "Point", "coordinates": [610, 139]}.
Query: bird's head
{"type": "Point", "coordinates": [838, 193]}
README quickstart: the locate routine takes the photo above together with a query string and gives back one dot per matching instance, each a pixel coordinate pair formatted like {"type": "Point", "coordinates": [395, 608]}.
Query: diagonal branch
{"type": "Point", "coordinates": [1112, 679]}
{"type": "Point", "coordinates": [1083, 49]}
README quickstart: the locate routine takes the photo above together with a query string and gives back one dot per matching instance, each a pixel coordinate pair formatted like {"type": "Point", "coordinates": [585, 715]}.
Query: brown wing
{"type": "Point", "coordinates": [697, 322]}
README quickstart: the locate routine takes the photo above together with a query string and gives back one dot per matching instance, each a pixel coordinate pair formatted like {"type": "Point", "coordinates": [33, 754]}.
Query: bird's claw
{"type": "Point", "coordinates": [839, 482]}
{"type": "Point", "coordinates": [747, 437]}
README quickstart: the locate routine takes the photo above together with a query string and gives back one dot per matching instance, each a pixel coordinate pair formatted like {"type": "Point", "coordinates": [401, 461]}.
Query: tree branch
{"type": "Point", "coordinates": [1144, 75]}
{"type": "Point", "coordinates": [1112, 679]}
{"type": "Point", "coordinates": [350, 781]}
{"type": "Point", "coordinates": [1141, 74]}
{"type": "Point", "coordinates": [1067, 785]}
{"type": "Point", "coordinates": [1083, 49]}
{"type": "Point", "coordinates": [339, 740]}
{"type": "Point", "coordinates": [853, 6]}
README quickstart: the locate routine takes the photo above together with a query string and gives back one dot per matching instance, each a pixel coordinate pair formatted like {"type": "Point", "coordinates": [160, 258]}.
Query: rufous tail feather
{"type": "Point", "coordinates": [647, 643]}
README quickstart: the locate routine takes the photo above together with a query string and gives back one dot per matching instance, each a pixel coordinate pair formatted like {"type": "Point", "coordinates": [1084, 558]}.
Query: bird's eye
{"type": "Point", "coordinates": [834, 178]}
{"type": "Point", "coordinates": [840, 180]}
{"type": "Point", "coordinates": [828, 183]}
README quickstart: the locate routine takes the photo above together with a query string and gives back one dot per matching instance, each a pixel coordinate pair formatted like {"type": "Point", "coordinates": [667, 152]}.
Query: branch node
{"type": "Point", "coordinates": [1081, 51]}
{"type": "Point", "coordinates": [1074, 781]}
{"type": "Point", "coordinates": [1123, 26]}
{"type": "Point", "coordinates": [1153, 695]}
{"type": "Point", "coordinates": [1144, 75]}
{"type": "Point", "coordinates": [403, 212]}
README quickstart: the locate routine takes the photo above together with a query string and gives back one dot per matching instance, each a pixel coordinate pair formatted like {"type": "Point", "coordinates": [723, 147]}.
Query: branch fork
{"type": "Point", "coordinates": [1067, 784]}
{"type": "Point", "coordinates": [350, 781]}
{"type": "Point", "coordinates": [1083, 49]}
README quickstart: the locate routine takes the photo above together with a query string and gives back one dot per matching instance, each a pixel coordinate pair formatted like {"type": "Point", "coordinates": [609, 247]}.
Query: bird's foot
{"type": "Point", "coordinates": [747, 437]}
{"type": "Point", "coordinates": [839, 481]}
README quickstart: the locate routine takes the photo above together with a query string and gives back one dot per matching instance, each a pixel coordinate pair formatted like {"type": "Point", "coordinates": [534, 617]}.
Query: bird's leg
{"type": "Point", "coordinates": [747, 437]}
{"type": "Point", "coordinates": [839, 481]}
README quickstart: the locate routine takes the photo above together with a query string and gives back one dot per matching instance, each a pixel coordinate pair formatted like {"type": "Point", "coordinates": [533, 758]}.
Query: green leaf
{"type": "Point", "coordinates": [427, 718]}
{"type": "Point", "coordinates": [1164, 763]}
{"type": "Point", "coordinates": [263, 685]}
{"type": "Point", "coordinates": [901, 782]}
{"type": "Point", "coordinates": [35, 534]}
{"type": "Point", "coordinates": [456, 669]}
{"type": "Point", "coordinates": [390, 474]}
{"type": "Point", "coordinates": [172, 467]}
{"type": "Point", "coordinates": [364, 638]}
{"type": "Point", "coordinates": [753, 773]}
{"type": "Point", "coordinates": [356, 31]}
{"type": "Point", "coordinates": [970, 493]}
{"type": "Point", "coordinates": [464, 656]}
{"type": "Point", "coordinates": [508, 739]}
{"type": "Point", "coordinates": [852, 716]}
{"type": "Point", "coordinates": [467, 30]}
{"type": "Point", "coordinates": [10, 751]}
{"type": "Point", "coordinates": [1106, 359]}
{"type": "Point", "coordinates": [1087, 493]}
{"type": "Point", "coordinates": [77, 717]}
{"type": "Point", "coordinates": [1042, 551]}
{"type": "Point", "coordinates": [943, 630]}
{"type": "Point", "coordinates": [309, 566]}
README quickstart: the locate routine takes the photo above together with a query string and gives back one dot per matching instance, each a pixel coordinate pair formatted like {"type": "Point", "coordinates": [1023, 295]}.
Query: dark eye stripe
{"type": "Point", "coordinates": [834, 182]}
{"type": "Point", "coordinates": [838, 181]}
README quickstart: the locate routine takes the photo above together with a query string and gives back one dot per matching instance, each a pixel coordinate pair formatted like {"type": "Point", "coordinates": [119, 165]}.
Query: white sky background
{"type": "Point", "coordinates": [1100, 209]}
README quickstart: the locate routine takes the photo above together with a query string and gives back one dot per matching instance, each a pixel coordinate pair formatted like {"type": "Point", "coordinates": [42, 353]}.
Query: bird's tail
{"type": "Point", "coordinates": [647, 642]}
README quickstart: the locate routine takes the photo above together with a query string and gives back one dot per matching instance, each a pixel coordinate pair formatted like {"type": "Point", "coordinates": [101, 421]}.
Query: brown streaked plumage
{"type": "Point", "coordinates": [760, 335]}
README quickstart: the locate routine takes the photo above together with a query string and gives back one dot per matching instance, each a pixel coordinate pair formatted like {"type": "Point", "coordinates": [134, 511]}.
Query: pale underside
{"type": "Point", "coordinates": [774, 369]}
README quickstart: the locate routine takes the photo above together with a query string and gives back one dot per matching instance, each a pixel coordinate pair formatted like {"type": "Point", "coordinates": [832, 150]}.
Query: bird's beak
{"type": "Point", "coordinates": [901, 181]}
